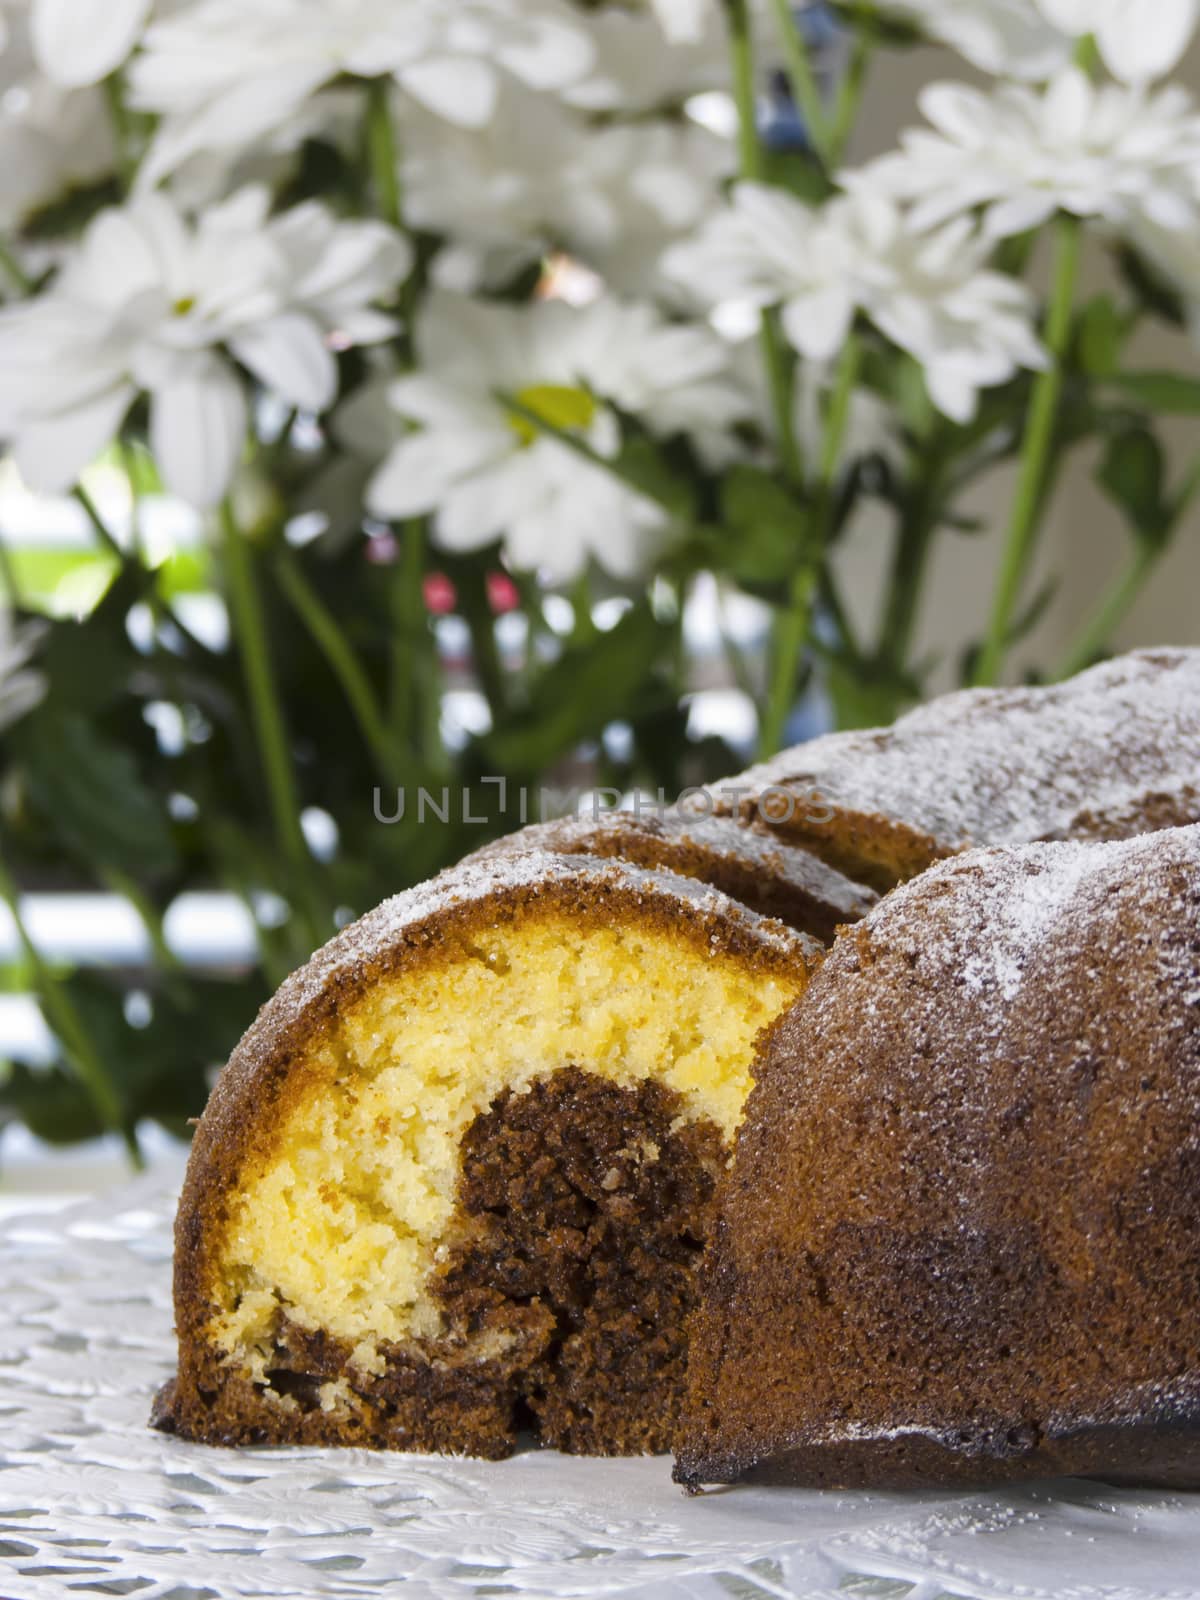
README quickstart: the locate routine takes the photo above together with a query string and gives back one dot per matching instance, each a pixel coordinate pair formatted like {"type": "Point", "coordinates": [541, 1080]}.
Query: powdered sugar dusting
{"type": "Point", "coordinates": [1006, 766]}
{"type": "Point", "coordinates": [725, 839]}
{"type": "Point", "coordinates": [1040, 898]}
{"type": "Point", "coordinates": [991, 921]}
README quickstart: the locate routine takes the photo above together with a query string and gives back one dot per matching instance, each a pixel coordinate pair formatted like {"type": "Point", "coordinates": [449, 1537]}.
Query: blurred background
{"type": "Point", "coordinates": [253, 601]}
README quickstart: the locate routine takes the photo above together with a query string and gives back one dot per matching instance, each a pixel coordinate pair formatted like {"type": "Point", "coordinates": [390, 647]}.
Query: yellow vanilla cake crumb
{"type": "Point", "coordinates": [342, 1221]}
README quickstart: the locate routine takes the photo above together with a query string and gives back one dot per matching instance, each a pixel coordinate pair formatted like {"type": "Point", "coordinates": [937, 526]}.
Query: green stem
{"type": "Point", "coordinates": [250, 630]}
{"type": "Point", "coordinates": [780, 369]}
{"type": "Point", "coordinates": [1030, 503]}
{"type": "Point", "coordinates": [794, 623]}
{"type": "Point", "coordinates": [741, 60]}
{"type": "Point", "coordinates": [414, 697]}
{"type": "Point", "coordinates": [66, 1023]}
{"type": "Point", "coordinates": [122, 126]}
{"type": "Point", "coordinates": [1097, 634]}
{"type": "Point", "coordinates": [849, 98]}
{"type": "Point", "coordinates": [777, 363]}
{"type": "Point", "coordinates": [21, 280]}
{"type": "Point", "coordinates": [8, 576]}
{"type": "Point", "coordinates": [802, 80]}
{"type": "Point", "coordinates": [341, 659]}
{"type": "Point", "coordinates": [1126, 588]}
{"type": "Point", "coordinates": [103, 532]}
{"type": "Point", "coordinates": [914, 544]}
{"type": "Point", "coordinates": [121, 883]}
{"type": "Point", "coordinates": [381, 152]}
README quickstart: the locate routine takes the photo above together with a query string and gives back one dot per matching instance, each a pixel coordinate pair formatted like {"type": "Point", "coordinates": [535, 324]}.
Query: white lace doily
{"type": "Point", "coordinates": [92, 1501]}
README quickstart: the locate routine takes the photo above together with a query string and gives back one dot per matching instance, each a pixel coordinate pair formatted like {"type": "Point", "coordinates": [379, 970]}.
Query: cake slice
{"type": "Point", "coordinates": [745, 860]}
{"type": "Point", "coordinates": [457, 1178]}
{"type": "Point", "coordinates": [1109, 754]}
{"type": "Point", "coordinates": [961, 1236]}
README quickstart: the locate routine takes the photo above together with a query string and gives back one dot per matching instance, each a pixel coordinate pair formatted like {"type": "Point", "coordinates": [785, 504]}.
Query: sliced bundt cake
{"type": "Point", "coordinates": [744, 860]}
{"type": "Point", "coordinates": [457, 1178]}
{"type": "Point", "coordinates": [961, 1235]}
{"type": "Point", "coordinates": [1109, 754]}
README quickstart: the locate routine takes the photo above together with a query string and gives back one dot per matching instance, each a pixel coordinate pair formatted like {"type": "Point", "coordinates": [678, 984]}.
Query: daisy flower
{"type": "Point", "coordinates": [1022, 154]}
{"type": "Point", "coordinates": [930, 294]}
{"type": "Point", "coordinates": [485, 469]}
{"type": "Point", "coordinates": [1138, 42]}
{"type": "Point", "coordinates": [152, 303]}
{"type": "Point", "coordinates": [225, 72]}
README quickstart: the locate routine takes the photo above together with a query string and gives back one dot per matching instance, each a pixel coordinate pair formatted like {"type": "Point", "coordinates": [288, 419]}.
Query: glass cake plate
{"type": "Point", "coordinates": [92, 1501]}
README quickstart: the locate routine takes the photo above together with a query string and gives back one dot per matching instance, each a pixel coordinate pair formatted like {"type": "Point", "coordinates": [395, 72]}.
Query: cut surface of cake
{"type": "Point", "coordinates": [1111, 753]}
{"type": "Point", "coordinates": [747, 861]}
{"type": "Point", "coordinates": [456, 1180]}
{"type": "Point", "coordinates": [960, 1239]}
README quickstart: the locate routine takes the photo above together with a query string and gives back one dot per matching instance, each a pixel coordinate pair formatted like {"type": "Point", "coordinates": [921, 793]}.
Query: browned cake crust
{"type": "Point", "coordinates": [961, 1236]}
{"type": "Point", "coordinates": [1109, 754]}
{"type": "Point", "coordinates": [744, 860]}
{"type": "Point", "coordinates": [583, 1205]}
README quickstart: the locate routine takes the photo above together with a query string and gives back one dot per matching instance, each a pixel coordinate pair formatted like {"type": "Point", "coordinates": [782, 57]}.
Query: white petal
{"type": "Point", "coordinates": [52, 452]}
{"type": "Point", "coordinates": [461, 88]}
{"type": "Point", "coordinates": [420, 470]}
{"type": "Point", "coordinates": [197, 431]}
{"type": "Point", "coordinates": [1138, 47]}
{"type": "Point", "coordinates": [954, 396]}
{"type": "Point", "coordinates": [1067, 107]}
{"type": "Point", "coordinates": [557, 56]}
{"type": "Point", "coordinates": [288, 354]}
{"type": "Point", "coordinates": [817, 324]}
{"type": "Point", "coordinates": [79, 42]}
{"type": "Point", "coordinates": [237, 116]}
{"type": "Point", "coordinates": [1074, 17]}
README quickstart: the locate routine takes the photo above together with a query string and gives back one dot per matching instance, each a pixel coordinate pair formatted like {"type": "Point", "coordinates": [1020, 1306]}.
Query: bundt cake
{"type": "Point", "coordinates": [744, 860]}
{"type": "Point", "coordinates": [961, 1235]}
{"type": "Point", "coordinates": [1109, 754]}
{"type": "Point", "coordinates": [457, 1178]}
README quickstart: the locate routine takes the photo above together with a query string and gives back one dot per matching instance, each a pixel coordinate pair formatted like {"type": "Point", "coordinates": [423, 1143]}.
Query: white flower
{"type": "Point", "coordinates": [79, 42]}
{"type": "Point", "coordinates": [637, 68]}
{"type": "Point", "coordinates": [1033, 39]}
{"type": "Point", "coordinates": [1010, 38]}
{"type": "Point", "coordinates": [227, 71]}
{"type": "Point", "coordinates": [53, 140]}
{"type": "Point", "coordinates": [1107, 152]}
{"type": "Point", "coordinates": [930, 294]}
{"type": "Point", "coordinates": [769, 249]}
{"type": "Point", "coordinates": [683, 21]}
{"type": "Point", "coordinates": [153, 304]}
{"type": "Point", "coordinates": [1139, 41]}
{"type": "Point", "coordinates": [541, 177]}
{"type": "Point", "coordinates": [21, 688]}
{"type": "Point", "coordinates": [487, 472]}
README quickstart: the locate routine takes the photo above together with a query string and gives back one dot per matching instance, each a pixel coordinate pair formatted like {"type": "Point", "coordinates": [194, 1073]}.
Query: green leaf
{"type": "Point", "coordinates": [764, 533]}
{"type": "Point", "coordinates": [1100, 333]}
{"type": "Point", "coordinates": [643, 466]}
{"type": "Point", "coordinates": [582, 692]}
{"type": "Point", "coordinates": [1168, 393]}
{"type": "Point", "coordinates": [89, 789]}
{"type": "Point", "coordinates": [1155, 291]}
{"type": "Point", "coordinates": [88, 662]}
{"type": "Point", "coordinates": [1132, 474]}
{"type": "Point", "coordinates": [51, 1102]}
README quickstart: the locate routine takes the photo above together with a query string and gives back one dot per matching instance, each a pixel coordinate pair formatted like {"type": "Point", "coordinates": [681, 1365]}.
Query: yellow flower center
{"type": "Point", "coordinates": [183, 306]}
{"type": "Point", "coordinates": [555, 405]}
